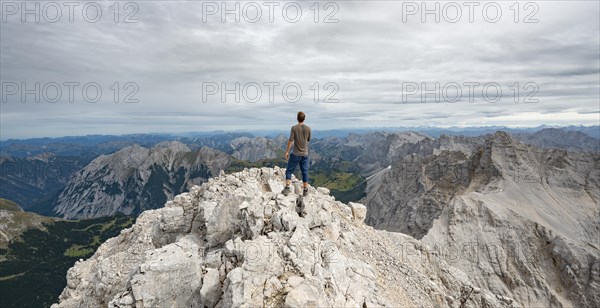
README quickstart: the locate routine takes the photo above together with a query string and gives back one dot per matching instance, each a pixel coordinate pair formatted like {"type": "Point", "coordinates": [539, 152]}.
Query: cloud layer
{"type": "Point", "coordinates": [371, 58]}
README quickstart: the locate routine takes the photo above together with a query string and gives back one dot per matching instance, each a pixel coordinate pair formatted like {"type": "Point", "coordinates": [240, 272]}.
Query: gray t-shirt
{"type": "Point", "coordinates": [300, 135]}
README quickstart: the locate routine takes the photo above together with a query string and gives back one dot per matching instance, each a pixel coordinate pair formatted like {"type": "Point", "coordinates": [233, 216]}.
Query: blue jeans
{"type": "Point", "coordinates": [291, 167]}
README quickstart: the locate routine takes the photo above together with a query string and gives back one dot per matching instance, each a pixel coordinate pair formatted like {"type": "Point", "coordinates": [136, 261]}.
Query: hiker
{"type": "Point", "coordinates": [300, 136]}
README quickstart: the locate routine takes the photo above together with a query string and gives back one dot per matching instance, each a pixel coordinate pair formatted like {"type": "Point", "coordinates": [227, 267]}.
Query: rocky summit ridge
{"type": "Point", "coordinates": [236, 241]}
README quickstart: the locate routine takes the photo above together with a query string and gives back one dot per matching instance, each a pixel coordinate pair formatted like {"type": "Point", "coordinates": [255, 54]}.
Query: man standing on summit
{"type": "Point", "coordinates": [300, 136]}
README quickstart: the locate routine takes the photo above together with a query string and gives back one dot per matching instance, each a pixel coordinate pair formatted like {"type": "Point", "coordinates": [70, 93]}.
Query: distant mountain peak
{"type": "Point", "coordinates": [136, 178]}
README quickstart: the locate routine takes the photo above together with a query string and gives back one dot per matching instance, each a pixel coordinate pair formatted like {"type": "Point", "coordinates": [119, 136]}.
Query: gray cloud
{"type": "Point", "coordinates": [369, 54]}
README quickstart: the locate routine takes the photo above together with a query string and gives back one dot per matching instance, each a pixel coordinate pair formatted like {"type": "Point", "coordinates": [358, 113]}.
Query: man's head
{"type": "Point", "coordinates": [301, 116]}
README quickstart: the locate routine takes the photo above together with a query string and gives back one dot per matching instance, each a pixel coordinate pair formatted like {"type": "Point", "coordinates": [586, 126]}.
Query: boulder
{"type": "Point", "coordinates": [359, 211]}
{"type": "Point", "coordinates": [210, 294]}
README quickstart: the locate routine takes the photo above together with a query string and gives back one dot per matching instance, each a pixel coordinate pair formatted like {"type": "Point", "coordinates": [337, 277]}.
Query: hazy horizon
{"type": "Point", "coordinates": [317, 130]}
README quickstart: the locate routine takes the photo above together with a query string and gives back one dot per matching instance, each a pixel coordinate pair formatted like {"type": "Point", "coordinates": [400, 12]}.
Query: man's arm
{"type": "Point", "coordinates": [289, 145]}
{"type": "Point", "coordinates": [287, 149]}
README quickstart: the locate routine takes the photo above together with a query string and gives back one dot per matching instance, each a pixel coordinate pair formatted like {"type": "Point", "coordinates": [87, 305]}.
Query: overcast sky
{"type": "Point", "coordinates": [169, 59]}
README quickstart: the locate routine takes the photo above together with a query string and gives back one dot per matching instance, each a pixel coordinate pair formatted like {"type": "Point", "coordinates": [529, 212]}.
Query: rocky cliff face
{"type": "Point", "coordinates": [521, 221]}
{"type": "Point", "coordinates": [236, 241]}
{"type": "Point", "coordinates": [136, 178]}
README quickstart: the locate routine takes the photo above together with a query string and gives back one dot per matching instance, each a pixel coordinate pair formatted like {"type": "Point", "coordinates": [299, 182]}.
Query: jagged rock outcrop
{"type": "Point", "coordinates": [521, 221]}
{"type": "Point", "coordinates": [236, 241]}
{"type": "Point", "coordinates": [136, 178]}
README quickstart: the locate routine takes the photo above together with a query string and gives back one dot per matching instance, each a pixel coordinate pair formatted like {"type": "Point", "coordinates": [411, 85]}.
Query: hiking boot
{"type": "Point", "coordinates": [305, 192]}
{"type": "Point", "coordinates": [286, 191]}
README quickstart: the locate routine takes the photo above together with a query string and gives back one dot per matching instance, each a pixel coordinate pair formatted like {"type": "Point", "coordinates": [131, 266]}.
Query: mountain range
{"type": "Point", "coordinates": [72, 187]}
{"type": "Point", "coordinates": [514, 214]}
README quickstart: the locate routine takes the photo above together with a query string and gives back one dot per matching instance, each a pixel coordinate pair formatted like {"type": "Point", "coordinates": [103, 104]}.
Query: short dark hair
{"type": "Point", "coordinates": [301, 116]}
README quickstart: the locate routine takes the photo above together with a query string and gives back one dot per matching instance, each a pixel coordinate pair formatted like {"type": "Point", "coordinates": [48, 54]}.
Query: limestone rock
{"type": "Point", "coordinates": [210, 293]}
{"type": "Point", "coordinates": [323, 190]}
{"type": "Point", "coordinates": [170, 276]}
{"type": "Point", "coordinates": [359, 211]}
{"type": "Point", "coordinates": [236, 242]}
{"type": "Point", "coordinates": [305, 295]}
